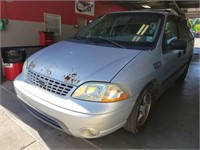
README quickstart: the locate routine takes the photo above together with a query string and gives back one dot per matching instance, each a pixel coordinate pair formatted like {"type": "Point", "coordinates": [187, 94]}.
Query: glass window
{"type": "Point", "coordinates": [52, 23]}
{"type": "Point", "coordinates": [184, 31]}
{"type": "Point", "coordinates": [127, 29]}
{"type": "Point", "coordinates": [170, 32]}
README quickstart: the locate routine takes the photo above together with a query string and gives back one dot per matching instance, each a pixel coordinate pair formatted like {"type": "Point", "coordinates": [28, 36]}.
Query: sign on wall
{"type": "Point", "coordinates": [52, 23]}
{"type": "Point", "coordinates": [85, 7]}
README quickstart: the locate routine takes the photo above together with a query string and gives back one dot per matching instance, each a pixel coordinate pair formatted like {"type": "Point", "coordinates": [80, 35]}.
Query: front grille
{"type": "Point", "coordinates": [48, 84]}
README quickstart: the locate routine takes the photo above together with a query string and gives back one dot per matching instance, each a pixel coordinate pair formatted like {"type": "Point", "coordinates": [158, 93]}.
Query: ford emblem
{"type": "Point", "coordinates": [41, 83]}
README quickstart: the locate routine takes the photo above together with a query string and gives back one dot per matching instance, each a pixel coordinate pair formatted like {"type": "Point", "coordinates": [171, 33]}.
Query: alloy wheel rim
{"type": "Point", "coordinates": [144, 109]}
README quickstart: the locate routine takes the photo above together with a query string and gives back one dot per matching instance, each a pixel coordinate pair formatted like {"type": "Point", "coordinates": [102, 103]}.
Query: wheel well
{"type": "Point", "coordinates": [154, 85]}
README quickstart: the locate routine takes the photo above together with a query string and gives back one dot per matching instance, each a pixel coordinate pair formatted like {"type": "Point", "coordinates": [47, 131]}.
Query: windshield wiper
{"type": "Point", "coordinates": [78, 37]}
{"type": "Point", "coordinates": [114, 43]}
{"type": "Point", "coordinates": [83, 39]}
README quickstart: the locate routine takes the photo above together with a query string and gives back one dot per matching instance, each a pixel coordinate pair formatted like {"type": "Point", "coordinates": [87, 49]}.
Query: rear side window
{"type": "Point", "coordinates": [184, 31]}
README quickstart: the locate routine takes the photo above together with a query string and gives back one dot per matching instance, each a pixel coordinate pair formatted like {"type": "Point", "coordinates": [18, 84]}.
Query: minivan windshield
{"type": "Point", "coordinates": [124, 30]}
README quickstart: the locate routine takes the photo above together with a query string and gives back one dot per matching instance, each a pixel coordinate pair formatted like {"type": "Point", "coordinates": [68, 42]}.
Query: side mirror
{"type": "Point", "coordinates": [177, 44]}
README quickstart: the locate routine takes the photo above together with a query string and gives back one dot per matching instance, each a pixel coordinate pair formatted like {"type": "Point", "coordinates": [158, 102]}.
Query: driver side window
{"type": "Point", "coordinates": [170, 32]}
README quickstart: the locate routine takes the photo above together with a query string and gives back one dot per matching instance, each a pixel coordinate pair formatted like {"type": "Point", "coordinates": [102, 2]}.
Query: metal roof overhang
{"type": "Point", "coordinates": [187, 8]}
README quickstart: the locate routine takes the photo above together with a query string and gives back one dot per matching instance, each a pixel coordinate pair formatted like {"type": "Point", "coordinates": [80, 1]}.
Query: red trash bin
{"type": "Point", "coordinates": [12, 70]}
{"type": "Point", "coordinates": [13, 62]}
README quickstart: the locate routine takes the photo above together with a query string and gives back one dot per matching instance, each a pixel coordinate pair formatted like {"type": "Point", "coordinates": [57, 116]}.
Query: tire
{"type": "Point", "coordinates": [140, 113]}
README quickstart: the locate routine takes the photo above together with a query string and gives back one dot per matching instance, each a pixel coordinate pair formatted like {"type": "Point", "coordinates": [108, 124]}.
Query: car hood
{"type": "Point", "coordinates": [76, 63]}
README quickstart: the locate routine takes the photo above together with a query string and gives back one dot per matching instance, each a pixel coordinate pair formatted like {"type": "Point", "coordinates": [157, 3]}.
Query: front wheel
{"type": "Point", "coordinates": [140, 113]}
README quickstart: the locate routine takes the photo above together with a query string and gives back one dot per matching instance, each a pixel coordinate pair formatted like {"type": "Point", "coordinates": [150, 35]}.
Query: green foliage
{"type": "Point", "coordinates": [194, 24]}
{"type": "Point", "coordinates": [190, 23]}
{"type": "Point", "coordinates": [196, 28]}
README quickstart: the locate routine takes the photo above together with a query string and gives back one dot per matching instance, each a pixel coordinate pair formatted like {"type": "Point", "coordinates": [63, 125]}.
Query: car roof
{"type": "Point", "coordinates": [158, 11]}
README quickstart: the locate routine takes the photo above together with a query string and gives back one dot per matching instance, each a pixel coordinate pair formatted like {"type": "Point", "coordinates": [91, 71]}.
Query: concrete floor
{"type": "Point", "coordinates": [173, 124]}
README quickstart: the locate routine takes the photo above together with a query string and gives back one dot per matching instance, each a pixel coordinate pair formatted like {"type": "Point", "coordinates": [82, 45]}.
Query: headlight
{"type": "Point", "coordinates": [102, 92]}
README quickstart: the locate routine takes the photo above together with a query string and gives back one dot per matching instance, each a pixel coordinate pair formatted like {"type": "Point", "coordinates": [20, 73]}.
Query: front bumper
{"type": "Point", "coordinates": [79, 118]}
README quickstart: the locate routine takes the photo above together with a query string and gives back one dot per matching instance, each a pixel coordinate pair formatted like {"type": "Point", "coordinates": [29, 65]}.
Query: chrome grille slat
{"type": "Point", "coordinates": [51, 85]}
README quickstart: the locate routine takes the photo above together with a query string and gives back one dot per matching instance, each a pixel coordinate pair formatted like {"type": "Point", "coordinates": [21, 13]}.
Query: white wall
{"type": "Point", "coordinates": [26, 33]}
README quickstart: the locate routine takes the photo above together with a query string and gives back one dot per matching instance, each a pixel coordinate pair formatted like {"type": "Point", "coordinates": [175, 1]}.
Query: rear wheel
{"type": "Point", "coordinates": [140, 113]}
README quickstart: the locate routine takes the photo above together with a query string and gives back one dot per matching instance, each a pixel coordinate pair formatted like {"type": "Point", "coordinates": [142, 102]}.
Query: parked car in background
{"type": "Point", "coordinates": [109, 74]}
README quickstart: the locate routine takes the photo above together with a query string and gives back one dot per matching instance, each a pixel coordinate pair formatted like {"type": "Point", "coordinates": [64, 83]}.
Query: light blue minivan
{"type": "Point", "coordinates": [109, 74]}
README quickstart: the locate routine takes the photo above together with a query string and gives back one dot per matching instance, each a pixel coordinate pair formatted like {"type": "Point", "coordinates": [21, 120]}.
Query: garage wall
{"type": "Point", "coordinates": [26, 19]}
{"type": "Point", "coordinates": [26, 33]}
{"type": "Point", "coordinates": [21, 33]}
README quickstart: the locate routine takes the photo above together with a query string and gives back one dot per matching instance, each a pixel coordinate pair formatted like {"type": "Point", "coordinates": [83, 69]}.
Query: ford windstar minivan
{"type": "Point", "coordinates": [109, 74]}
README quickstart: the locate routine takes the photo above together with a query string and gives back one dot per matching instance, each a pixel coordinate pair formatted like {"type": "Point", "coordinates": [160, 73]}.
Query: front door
{"type": "Point", "coordinates": [170, 58]}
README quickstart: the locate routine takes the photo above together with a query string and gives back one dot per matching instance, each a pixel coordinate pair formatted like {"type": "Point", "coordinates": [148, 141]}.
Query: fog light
{"type": "Point", "coordinates": [89, 132]}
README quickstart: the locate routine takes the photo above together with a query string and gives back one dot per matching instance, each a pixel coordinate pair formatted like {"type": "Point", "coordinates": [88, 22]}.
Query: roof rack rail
{"type": "Point", "coordinates": [171, 10]}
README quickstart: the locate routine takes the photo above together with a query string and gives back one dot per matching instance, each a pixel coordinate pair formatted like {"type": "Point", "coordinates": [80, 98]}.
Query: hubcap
{"type": "Point", "coordinates": [144, 109]}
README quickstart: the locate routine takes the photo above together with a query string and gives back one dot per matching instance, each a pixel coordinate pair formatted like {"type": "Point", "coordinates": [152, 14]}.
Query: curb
{"type": "Point", "coordinates": [31, 132]}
